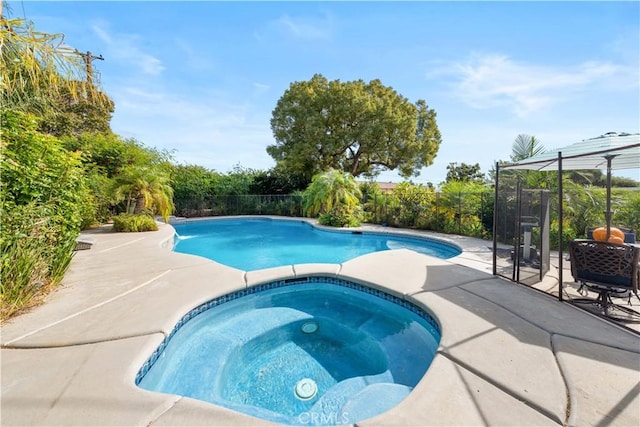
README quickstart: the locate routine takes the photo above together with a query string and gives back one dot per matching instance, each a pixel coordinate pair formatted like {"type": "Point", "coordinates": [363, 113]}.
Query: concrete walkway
{"type": "Point", "coordinates": [509, 355]}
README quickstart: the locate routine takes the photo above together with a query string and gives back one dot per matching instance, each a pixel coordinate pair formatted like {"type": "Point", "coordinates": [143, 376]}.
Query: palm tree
{"type": "Point", "coordinates": [37, 68]}
{"type": "Point", "coordinates": [582, 206]}
{"type": "Point", "coordinates": [144, 187]}
{"type": "Point", "coordinates": [525, 146]}
{"type": "Point", "coordinates": [329, 190]}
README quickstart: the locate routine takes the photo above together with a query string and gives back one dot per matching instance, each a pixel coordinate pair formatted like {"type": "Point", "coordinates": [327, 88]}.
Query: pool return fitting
{"type": "Point", "coordinates": [309, 327]}
{"type": "Point", "coordinates": [306, 389]}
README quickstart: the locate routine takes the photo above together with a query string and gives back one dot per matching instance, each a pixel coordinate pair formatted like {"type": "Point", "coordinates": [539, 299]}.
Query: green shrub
{"type": "Point", "coordinates": [43, 201]}
{"type": "Point", "coordinates": [628, 214]}
{"type": "Point", "coordinates": [568, 233]}
{"type": "Point", "coordinates": [133, 223]}
{"type": "Point", "coordinates": [342, 216]}
{"type": "Point", "coordinates": [411, 205]}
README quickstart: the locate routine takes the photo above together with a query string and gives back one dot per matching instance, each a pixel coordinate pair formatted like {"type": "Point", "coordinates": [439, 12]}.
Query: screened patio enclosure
{"type": "Point", "coordinates": [611, 151]}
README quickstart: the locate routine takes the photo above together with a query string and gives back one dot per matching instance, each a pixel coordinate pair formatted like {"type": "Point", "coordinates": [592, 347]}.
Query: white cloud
{"type": "Point", "coordinates": [202, 130]}
{"type": "Point", "coordinates": [305, 28]}
{"type": "Point", "coordinates": [625, 46]}
{"type": "Point", "coordinates": [211, 144]}
{"type": "Point", "coordinates": [177, 108]}
{"type": "Point", "coordinates": [195, 59]}
{"type": "Point", "coordinates": [124, 48]}
{"type": "Point", "coordinates": [297, 28]}
{"type": "Point", "coordinates": [494, 80]}
{"type": "Point", "coordinates": [260, 88]}
{"type": "Point", "coordinates": [102, 33]}
{"type": "Point", "coordinates": [204, 124]}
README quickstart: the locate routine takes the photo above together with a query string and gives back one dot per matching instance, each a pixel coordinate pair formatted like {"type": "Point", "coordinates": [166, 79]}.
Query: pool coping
{"type": "Point", "coordinates": [73, 360]}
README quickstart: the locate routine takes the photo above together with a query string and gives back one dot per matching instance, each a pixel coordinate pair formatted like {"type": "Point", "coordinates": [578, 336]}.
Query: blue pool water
{"type": "Point", "coordinates": [253, 244]}
{"type": "Point", "coordinates": [312, 351]}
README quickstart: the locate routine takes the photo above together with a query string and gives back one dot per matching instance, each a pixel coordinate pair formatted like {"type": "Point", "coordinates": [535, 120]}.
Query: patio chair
{"type": "Point", "coordinates": [609, 269]}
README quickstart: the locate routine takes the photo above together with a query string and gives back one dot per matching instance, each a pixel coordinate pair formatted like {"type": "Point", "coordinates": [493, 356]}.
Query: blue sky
{"type": "Point", "coordinates": [202, 78]}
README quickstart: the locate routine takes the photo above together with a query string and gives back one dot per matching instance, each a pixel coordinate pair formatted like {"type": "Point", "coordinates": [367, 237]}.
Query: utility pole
{"type": "Point", "coordinates": [88, 59]}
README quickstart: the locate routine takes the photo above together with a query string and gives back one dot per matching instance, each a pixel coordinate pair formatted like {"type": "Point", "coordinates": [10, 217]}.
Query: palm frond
{"type": "Point", "coordinates": [525, 146]}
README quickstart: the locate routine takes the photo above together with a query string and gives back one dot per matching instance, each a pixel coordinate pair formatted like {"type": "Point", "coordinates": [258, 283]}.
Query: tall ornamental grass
{"type": "Point", "coordinates": [36, 253]}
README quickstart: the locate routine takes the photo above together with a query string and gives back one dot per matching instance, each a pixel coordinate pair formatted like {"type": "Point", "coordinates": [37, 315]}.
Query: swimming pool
{"type": "Point", "coordinates": [311, 350]}
{"type": "Point", "coordinates": [256, 243]}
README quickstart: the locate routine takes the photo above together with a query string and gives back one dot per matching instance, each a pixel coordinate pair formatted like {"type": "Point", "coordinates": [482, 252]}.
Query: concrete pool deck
{"type": "Point", "coordinates": [509, 355]}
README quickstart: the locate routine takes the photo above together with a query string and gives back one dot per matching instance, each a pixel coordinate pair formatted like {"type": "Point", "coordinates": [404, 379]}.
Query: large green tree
{"type": "Point", "coordinates": [464, 173]}
{"type": "Point", "coordinates": [357, 127]}
{"type": "Point", "coordinates": [76, 114]}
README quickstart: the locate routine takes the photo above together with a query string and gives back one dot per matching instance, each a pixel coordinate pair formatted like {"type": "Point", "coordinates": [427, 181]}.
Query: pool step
{"type": "Point", "coordinates": [373, 400]}
{"type": "Point", "coordinates": [334, 399]}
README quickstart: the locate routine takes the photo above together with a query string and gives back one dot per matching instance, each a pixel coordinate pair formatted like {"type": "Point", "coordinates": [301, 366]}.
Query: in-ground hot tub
{"type": "Point", "coordinates": [313, 350]}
